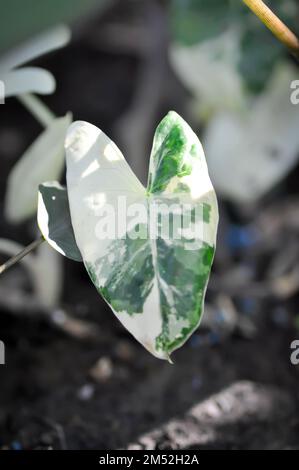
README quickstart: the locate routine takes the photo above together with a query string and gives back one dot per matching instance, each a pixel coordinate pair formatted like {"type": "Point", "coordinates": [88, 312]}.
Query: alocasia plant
{"type": "Point", "coordinates": [154, 285]}
{"type": "Point", "coordinates": [44, 159]}
{"type": "Point", "coordinates": [45, 156]}
{"type": "Point", "coordinates": [223, 39]}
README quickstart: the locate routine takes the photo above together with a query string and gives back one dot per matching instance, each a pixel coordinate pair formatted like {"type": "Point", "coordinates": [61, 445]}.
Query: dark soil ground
{"type": "Point", "coordinates": [106, 392]}
{"type": "Point", "coordinates": [43, 403]}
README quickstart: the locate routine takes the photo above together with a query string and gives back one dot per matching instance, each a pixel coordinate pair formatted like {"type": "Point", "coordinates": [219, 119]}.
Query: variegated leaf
{"type": "Point", "coordinates": [54, 219]}
{"type": "Point", "coordinates": [155, 284]}
{"type": "Point", "coordinates": [248, 142]}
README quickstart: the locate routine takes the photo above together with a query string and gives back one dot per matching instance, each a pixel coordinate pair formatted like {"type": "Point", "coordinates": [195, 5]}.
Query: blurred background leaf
{"type": "Point", "coordinates": [18, 22]}
{"type": "Point", "coordinates": [196, 21]}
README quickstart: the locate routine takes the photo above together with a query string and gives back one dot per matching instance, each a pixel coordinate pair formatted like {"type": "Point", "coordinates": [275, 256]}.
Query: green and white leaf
{"type": "Point", "coordinates": [54, 219]}
{"type": "Point", "coordinates": [223, 54]}
{"type": "Point", "coordinates": [247, 156]}
{"type": "Point", "coordinates": [209, 70]}
{"type": "Point", "coordinates": [154, 285]}
{"type": "Point", "coordinates": [43, 160]}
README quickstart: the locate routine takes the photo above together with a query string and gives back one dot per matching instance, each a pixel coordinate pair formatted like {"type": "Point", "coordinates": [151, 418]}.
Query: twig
{"type": "Point", "coordinates": [15, 259]}
{"type": "Point", "coordinates": [276, 26]}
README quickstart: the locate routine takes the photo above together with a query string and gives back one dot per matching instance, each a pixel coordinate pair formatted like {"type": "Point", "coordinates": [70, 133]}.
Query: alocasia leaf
{"type": "Point", "coordinates": [153, 270]}
{"type": "Point", "coordinates": [199, 67]}
{"type": "Point", "coordinates": [203, 23]}
{"type": "Point", "coordinates": [248, 142]}
{"type": "Point", "coordinates": [54, 219]}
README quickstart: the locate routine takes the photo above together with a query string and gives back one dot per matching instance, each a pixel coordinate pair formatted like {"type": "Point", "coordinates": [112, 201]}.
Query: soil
{"type": "Point", "coordinates": [49, 398]}
{"type": "Point", "coordinates": [106, 392]}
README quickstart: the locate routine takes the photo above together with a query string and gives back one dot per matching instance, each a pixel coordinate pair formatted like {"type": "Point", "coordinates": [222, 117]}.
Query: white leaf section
{"type": "Point", "coordinates": [97, 175]}
{"type": "Point", "coordinates": [209, 71]}
{"type": "Point", "coordinates": [48, 277]}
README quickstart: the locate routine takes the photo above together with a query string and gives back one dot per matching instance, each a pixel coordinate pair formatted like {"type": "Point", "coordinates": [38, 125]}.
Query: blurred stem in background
{"type": "Point", "coordinates": [276, 26]}
{"type": "Point", "coordinates": [37, 108]}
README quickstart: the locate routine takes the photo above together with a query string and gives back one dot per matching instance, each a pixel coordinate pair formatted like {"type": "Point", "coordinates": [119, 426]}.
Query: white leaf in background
{"type": "Point", "coordinates": [31, 79]}
{"type": "Point", "coordinates": [27, 80]}
{"type": "Point", "coordinates": [209, 71]}
{"type": "Point", "coordinates": [48, 276]}
{"type": "Point", "coordinates": [39, 45]}
{"type": "Point", "coordinates": [43, 160]}
{"type": "Point", "coordinates": [248, 153]}
{"type": "Point", "coordinates": [44, 269]}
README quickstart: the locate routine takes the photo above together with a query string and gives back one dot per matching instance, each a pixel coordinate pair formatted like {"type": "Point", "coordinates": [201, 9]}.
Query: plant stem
{"type": "Point", "coordinates": [15, 259]}
{"type": "Point", "coordinates": [276, 26]}
{"type": "Point", "coordinates": [37, 108]}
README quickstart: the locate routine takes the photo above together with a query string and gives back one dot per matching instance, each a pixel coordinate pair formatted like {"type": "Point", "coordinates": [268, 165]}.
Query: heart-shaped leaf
{"type": "Point", "coordinates": [150, 266]}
